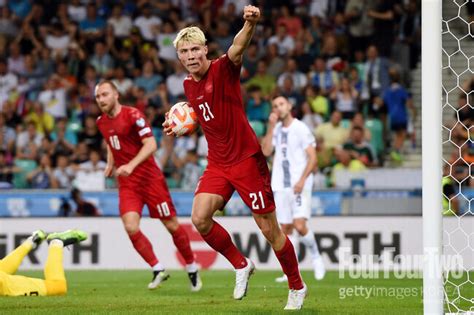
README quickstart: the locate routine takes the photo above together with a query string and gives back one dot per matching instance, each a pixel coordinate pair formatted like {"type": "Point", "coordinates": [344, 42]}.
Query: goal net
{"type": "Point", "coordinates": [457, 154]}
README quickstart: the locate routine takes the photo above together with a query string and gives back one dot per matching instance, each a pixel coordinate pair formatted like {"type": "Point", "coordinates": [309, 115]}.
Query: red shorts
{"type": "Point", "coordinates": [155, 195]}
{"type": "Point", "coordinates": [249, 177]}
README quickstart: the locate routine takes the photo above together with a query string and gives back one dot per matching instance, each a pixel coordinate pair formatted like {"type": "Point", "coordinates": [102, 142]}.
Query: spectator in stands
{"type": "Point", "coordinates": [299, 78]}
{"type": "Point", "coordinates": [291, 22]}
{"type": "Point", "coordinates": [8, 28]}
{"type": "Point", "coordinates": [83, 208]}
{"type": "Point", "coordinates": [283, 40]}
{"type": "Point", "coordinates": [16, 61]}
{"type": "Point", "coordinates": [263, 80]}
{"type": "Point", "coordinates": [101, 60]}
{"type": "Point", "coordinates": [311, 119]}
{"type": "Point", "coordinates": [92, 28]}
{"type": "Point", "coordinates": [90, 134]}
{"type": "Point", "coordinates": [147, 23]}
{"type": "Point", "coordinates": [397, 100]}
{"type": "Point", "coordinates": [76, 11]}
{"type": "Point", "coordinates": [360, 24]}
{"type": "Point", "coordinates": [66, 79]}
{"type": "Point", "coordinates": [174, 82]}
{"type": "Point", "coordinates": [332, 54]}
{"type": "Point", "coordinates": [223, 37]}
{"type": "Point", "coordinates": [63, 138]}
{"type": "Point", "coordinates": [63, 173]}
{"type": "Point", "coordinates": [32, 78]}
{"type": "Point", "coordinates": [123, 84]}
{"type": "Point", "coordinates": [12, 118]}
{"type": "Point", "coordinates": [76, 60]}
{"type": "Point", "coordinates": [376, 79]}
{"type": "Point", "coordinates": [258, 108]}
{"type": "Point", "coordinates": [345, 98]}
{"type": "Point", "coordinates": [8, 82]}
{"type": "Point", "coordinates": [323, 78]}
{"type": "Point", "coordinates": [191, 171]}
{"type": "Point", "coordinates": [332, 132]}
{"type": "Point", "coordinates": [94, 164]}
{"type": "Point", "coordinates": [42, 177]}
{"type": "Point", "coordinates": [293, 95]}
{"type": "Point", "coordinates": [120, 22]}
{"type": "Point", "coordinates": [319, 103]}
{"type": "Point", "coordinates": [28, 142]}
{"type": "Point", "coordinates": [8, 136]}
{"type": "Point", "coordinates": [81, 153]}
{"type": "Point", "coordinates": [43, 120]}
{"type": "Point", "coordinates": [57, 41]}
{"type": "Point", "coordinates": [359, 148]}
{"type": "Point", "coordinates": [148, 79]}
{"type": "Point", "coordinates": [302, 56]}
{"type": "Point", "coordinates": [384, 23]}
{"type": "Point", "coordinates": [54, 98]}
{"type": "Point", "coordinates": [359, 121]}
{"type": "Point", "coordinates": [7, 169]}
{"type": "Point", "coordinates": [164, 41]}
{"type": "Point", "coordinates": [355, 79]}
{"type": "Point", "coordinates": [345, 163]}
{"type": "Point", "coordinates": [46, 147]}
{"type": "Point", "coordinates": [275, 63]}
{"type": "Point", "coordinates": [407, 42]}
{"type": "Point", "coordinates": [325, 155]}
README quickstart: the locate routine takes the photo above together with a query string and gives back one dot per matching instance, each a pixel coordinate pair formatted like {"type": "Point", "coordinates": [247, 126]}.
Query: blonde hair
{"type": "Point", "coordinates": [191, 34]}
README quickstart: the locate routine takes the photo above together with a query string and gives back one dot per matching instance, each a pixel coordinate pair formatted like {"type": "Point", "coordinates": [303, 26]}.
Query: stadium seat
{"type": "Point", "coordinates": [19, 179]}
{"type": "Point", "coordinates": [376, 129]}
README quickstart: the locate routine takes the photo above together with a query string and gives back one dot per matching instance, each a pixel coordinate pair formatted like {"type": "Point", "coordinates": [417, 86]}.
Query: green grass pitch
{"type": "Point", "coordinates": [125, 292]}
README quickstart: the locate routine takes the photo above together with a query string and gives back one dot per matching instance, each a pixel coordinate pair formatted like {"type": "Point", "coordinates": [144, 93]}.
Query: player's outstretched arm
{"type": "Point", "coordinates": [243, 37]}
{"type": "Point", "coordinates": [148, 148]}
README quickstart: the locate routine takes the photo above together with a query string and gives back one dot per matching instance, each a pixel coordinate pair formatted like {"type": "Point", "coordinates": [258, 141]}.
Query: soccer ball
{"type": "Point", "coordinates": [182, 119]}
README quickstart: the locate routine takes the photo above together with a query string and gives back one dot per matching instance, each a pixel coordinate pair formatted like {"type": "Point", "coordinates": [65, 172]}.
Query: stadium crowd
{"type": "Point", "coordinates": [344, 64]}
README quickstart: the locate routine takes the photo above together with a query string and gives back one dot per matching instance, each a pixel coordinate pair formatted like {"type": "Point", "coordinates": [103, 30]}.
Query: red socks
{"type": "Point", "coordinates": [181, 241]}
{"type": "Point", "coordinates": [219, 239]}
{"type": "Point", "coordinates": [289, 263]}
{"type": "Point", "coordinates": [143, 247]}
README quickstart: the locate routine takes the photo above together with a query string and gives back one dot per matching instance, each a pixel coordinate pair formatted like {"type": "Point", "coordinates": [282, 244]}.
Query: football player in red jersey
{"type": "Point", "coordinates": [130, 147]}
{"type": "Point", "coordinates": [235, 158]}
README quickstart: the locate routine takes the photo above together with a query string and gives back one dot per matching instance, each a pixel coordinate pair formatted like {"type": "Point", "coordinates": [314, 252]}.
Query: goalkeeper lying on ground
{"type": "Point", "coordinates": [54, 282]}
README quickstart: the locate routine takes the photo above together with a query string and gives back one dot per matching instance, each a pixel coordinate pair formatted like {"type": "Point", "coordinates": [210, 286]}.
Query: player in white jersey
{"type": "Point", "coordinates": [292, 176]}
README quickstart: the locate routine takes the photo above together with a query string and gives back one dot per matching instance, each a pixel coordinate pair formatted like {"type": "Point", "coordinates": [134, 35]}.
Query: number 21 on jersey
{"type": "Point", "coordinates": [257, 201]}
{"type": "Point", "coordinates": [206, 111]}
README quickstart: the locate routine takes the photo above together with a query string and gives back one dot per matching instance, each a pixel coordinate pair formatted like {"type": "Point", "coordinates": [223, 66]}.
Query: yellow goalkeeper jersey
{"type": "Point", "coordinates": [14, 285]}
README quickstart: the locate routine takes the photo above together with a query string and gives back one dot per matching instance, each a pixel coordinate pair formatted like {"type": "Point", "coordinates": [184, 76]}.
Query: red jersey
{"type": "Point", "coordinates": [124, 134]}
{"type": "Point", "coordinates": [217, 100]}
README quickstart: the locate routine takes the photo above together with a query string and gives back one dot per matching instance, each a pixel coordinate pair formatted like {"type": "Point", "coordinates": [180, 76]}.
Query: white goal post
{"type": "Point", "coordinates": [431, 106]}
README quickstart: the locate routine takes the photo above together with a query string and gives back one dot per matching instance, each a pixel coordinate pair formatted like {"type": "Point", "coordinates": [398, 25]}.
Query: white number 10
{"type": "Point", "coordinates": [255, 197]}
{"type": "Point", "coordinates": [114, 142]}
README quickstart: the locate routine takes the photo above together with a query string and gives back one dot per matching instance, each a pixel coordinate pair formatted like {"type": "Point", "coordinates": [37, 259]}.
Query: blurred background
{"type": "Point", "coordinates": [341, 63]}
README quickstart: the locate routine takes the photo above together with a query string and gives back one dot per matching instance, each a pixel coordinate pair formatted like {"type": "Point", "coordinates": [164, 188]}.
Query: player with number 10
{"type": "Point", "coordinates": [235, 159]}
{"type": "Point", "coordinates": [130, 147]}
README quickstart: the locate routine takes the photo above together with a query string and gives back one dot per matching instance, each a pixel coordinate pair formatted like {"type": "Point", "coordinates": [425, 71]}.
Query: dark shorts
{"type": "Point", "coordinates": [156, 196]}
{"type": "Point", "coordinates": [398, 126]}
{"type": "Point", "coordinates": [250, 177]}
